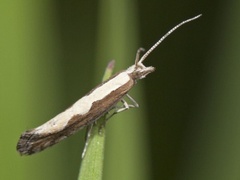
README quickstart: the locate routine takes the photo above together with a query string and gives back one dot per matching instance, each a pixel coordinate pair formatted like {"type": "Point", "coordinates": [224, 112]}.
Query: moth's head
{"type": "Point", "coordinates": [139, 71]}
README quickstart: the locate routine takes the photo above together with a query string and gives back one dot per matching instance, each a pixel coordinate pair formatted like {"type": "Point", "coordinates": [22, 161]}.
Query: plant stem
{"type": "Point", "coordinates": [92, 163]}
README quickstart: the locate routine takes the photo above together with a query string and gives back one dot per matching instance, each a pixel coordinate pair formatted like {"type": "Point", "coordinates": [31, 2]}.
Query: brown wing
{"type": "Point", "coordinates": [32, 142]}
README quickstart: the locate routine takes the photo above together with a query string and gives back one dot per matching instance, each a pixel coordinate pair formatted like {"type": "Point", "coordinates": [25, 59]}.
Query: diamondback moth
{"type": "Point", "coordinates": [92, 106]}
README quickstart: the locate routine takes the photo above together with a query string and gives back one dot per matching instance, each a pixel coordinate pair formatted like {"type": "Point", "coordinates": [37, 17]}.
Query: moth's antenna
{"type": "Point", "coordinates": [164, 37]}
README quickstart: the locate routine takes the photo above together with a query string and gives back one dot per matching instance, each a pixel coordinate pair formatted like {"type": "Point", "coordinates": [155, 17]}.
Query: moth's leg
{"type": "Point", "coordinates": [116, 109]}
{"type": "Point", "coordinates": [87, 138]}
{"type": "Point", "coordinates": [135, 104]}
{"type": "Point", "coordinates": [125, 106]}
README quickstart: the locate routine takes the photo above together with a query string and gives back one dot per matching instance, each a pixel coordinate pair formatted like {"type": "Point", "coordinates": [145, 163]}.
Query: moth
{"type": "Point", "coordinates": [92, 106]}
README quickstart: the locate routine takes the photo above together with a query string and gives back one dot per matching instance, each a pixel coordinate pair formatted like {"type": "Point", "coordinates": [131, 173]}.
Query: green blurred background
{"type": "Point", "coordinates": [188, 123]}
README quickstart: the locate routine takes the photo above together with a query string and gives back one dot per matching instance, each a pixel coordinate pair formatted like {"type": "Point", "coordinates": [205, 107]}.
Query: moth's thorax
{"type": "Point", "coordinates": [139, 71]}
